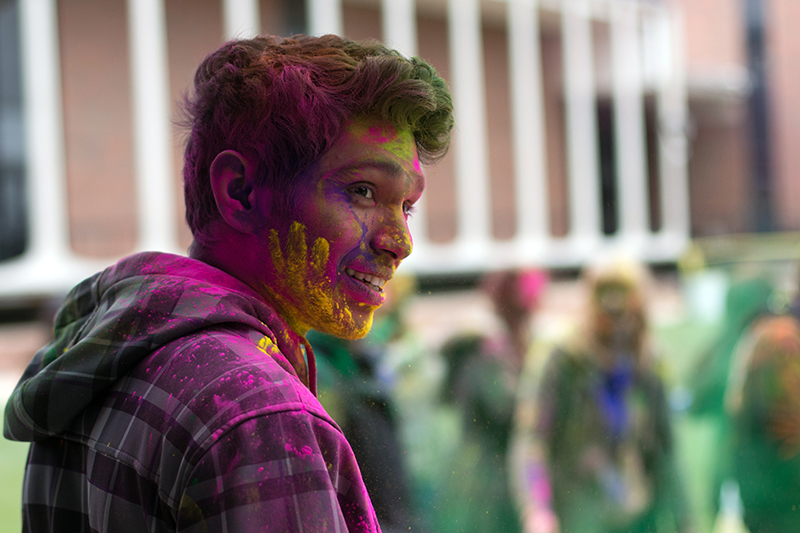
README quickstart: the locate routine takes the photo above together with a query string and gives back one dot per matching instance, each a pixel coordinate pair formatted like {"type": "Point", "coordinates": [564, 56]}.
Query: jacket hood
{"type": "Point", "coordinates": [114, 319]}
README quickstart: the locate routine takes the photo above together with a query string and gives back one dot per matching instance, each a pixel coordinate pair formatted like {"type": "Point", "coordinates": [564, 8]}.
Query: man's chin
{"type": "Point", "coordinates": [352, 328]}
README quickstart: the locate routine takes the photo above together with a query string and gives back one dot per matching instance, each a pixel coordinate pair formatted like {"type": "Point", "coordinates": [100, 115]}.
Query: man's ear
{"type": "Point", "coordinates": [233, 184]}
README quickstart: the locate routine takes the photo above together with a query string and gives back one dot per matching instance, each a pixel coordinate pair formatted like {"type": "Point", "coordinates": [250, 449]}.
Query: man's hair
{"type": "Point", "coordinates": [283, 102]}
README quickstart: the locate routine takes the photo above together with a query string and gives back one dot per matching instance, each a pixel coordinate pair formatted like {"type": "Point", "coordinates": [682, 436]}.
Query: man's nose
{"type": "Point", "coordinates": [392, 236]}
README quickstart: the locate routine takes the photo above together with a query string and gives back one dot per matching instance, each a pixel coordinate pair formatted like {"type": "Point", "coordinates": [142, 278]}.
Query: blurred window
{"type": "Point", "coordinates": [12, 145]}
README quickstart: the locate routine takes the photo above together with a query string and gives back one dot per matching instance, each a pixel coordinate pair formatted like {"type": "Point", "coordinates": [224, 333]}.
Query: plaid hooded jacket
{"type": "Point", "coordinates": [172, 398]}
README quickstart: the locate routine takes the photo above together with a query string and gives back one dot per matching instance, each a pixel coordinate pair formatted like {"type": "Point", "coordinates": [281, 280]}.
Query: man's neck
{"type": "Point", "coordinates": [231, 257]}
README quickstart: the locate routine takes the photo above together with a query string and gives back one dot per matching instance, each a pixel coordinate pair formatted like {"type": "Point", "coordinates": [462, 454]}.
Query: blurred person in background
{"type": "Point", "coordinates": [480, 385]}
{"type": "Point", "coordinates": [179, 392]}
{"type": "Point", "coordinates": [763, 400]}
{"type": "Point", "coordinates": [355, 385]}
{"type": "Point", "coordinates": [597, 453]}
{"type": "Point", "coordinates": [747, 300]}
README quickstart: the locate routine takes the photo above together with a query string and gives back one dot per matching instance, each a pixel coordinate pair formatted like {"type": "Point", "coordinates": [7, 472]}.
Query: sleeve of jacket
{"type": "Point", "coordinates": [285, 472]}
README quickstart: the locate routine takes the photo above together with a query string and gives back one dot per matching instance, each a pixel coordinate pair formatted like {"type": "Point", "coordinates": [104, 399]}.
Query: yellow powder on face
{"type": "Point", "coordinates": [319, 254]}
{"type": "Point", "coordinates": [402, 239]}
{"type": "Point", "coordinates": [313, 305]}
{"type": "Point", "coordinates": [402, 145]}
{"type": "Point", "coordinates": [405, 238]}
{"type": "Point", "coordinates": [395, 233]}
{"type": "Point", "coordinates": [275, 251]}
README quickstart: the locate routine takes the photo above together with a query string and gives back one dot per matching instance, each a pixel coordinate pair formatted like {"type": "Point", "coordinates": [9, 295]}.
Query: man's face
{"type": "Point", "coordinates": [346, 231]}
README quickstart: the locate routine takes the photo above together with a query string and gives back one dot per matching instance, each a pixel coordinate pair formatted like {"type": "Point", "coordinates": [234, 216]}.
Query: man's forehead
{"type": "Point", "coordinates": [372, 143]}
{"type": "Point", "coordinates": [379, 133]}
{"type": "Point", "coordinates": [373, 130]}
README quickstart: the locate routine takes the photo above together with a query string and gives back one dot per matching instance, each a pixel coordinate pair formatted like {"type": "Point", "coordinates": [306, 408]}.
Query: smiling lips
{"type": "Point", "coordinates": [376, 282]}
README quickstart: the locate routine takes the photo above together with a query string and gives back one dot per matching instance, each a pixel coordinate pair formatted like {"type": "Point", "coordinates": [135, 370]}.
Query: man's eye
{"type": "Point", "coordinates": [408, 209]}
{"type": "Point", "coordinates": [363, 190]}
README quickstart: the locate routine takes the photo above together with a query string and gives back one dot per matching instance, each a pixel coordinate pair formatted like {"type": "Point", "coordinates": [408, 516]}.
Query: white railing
{"type": "Point", "coordinates": [658, 48]}
{"type": "Point", "coordinates": [49, 266]}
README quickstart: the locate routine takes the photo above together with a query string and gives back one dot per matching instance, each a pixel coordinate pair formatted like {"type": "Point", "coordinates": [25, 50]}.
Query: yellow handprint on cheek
{"type": "Point", "coordinates": [312, 301]}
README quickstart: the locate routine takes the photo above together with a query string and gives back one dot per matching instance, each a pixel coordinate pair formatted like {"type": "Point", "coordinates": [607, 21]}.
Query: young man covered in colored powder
{"type": "Point", "coordinates": [179, 393]}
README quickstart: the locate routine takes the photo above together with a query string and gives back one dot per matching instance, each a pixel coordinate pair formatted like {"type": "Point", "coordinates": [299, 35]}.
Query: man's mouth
{"type": "Point", "coordinates": [376, 282]}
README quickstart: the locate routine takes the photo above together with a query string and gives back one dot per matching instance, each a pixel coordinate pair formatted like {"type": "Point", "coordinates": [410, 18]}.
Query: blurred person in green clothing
{"type": "Point", "coordinates": [746, 301]}
{"type": "Point", "coordinates": [596, 451]}
{"type": "Point", "coordinates": [480, 386]}
{"type": "Point", "coordinates": [763, 401]}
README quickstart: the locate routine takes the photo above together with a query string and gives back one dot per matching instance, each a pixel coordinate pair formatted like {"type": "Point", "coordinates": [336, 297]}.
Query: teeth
{"type": "Point", "coordinates": [369, 278]}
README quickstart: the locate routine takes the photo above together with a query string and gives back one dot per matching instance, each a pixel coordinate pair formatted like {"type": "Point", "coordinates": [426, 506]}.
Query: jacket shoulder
{"type": "Point", "coordinates": [180, 400]}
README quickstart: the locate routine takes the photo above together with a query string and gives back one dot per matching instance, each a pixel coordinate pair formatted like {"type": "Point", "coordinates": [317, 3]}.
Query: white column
{"type": "Point", "coordinates": [671, 101]}
{"type": "Point", "coordinates": [44, 132]}
{"type": "Point", "coordinates": [155, 187]}
{"type": "Point", "coordinates": [581, 121]}
{"type": "Point", "coordinates": [241, 19]}
{"type": "Point", "coordinates": [629, 123]}
{"type": "Point", "coordinates": [469, 100]}
{"type": "Point", "coordinates": [399, 25]}
{"type": "Point", "coordinates": [325, 16]}
{"type": "Point", "coordinates": [527, 115]}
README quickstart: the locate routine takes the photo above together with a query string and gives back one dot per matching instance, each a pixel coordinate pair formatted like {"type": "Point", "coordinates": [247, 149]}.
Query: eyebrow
{"type": "Point", "coordinates": [384, 165]}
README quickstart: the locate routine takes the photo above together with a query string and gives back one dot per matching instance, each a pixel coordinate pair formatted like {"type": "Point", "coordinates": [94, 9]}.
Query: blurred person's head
{"type": "Point", "coordinates": [617, 318]}
{"type": "Point", "coordinates": [515, 295]}
{"type": "Point", "coordinates": [302, 166]}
